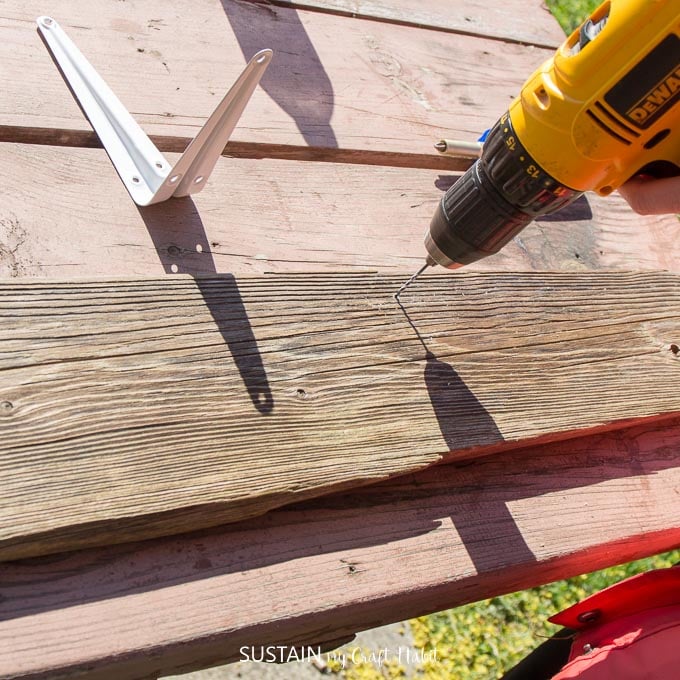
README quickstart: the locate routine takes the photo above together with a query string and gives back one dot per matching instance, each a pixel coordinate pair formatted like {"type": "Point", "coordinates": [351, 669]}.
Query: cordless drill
{"type": "Point", "coordinates": [601, 110]}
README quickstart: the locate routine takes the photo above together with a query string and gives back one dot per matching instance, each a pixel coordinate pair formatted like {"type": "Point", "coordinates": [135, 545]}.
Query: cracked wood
{"type": "Point", "coordinates": [134, 408]}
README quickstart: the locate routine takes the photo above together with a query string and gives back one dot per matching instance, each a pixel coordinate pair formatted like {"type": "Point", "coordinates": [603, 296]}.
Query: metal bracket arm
{"type": "Point", "coordinates": [146, 174]}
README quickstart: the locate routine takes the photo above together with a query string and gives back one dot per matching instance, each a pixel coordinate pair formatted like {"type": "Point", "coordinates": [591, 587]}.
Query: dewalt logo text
{"type": "Point", "coordinates": [661, 97]}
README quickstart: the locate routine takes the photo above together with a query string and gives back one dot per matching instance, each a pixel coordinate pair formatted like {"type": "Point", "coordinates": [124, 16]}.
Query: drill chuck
{"type": "Point", "coordinates": [499, 195]}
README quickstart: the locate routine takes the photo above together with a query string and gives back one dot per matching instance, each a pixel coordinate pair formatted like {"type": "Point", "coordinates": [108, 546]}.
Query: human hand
{"type": "Point", "coordinates": [650, 196]}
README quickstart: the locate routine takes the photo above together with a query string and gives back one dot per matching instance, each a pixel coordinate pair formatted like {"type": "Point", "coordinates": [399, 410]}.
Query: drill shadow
{"type": "Point", "coordinates": [445, 182]}
{"type": "Point", "coordinates": [461, 417]}
{"type": "Point", "coordinates": [464, 422]}
{"type": "Point", "coordinates": [576, 211]}
{"type": "Point", "coordinates": [296, 79]}
{"type": "Point", "coordinates": [179, 238]}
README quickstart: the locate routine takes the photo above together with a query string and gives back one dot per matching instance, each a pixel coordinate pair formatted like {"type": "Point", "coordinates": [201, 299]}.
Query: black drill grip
{"type": "Point", "coordinates": [493, 201]}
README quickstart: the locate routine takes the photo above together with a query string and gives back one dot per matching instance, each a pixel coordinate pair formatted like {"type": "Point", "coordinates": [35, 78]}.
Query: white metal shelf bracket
{"type": "Point", "coordinates": [146, 174]}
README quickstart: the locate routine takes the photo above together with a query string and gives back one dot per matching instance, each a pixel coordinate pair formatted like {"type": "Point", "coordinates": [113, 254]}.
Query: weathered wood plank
{"type": "Point", "coordinates": [448, 535]}
{"type": "Point", "coordinates": [64, 212]}
{"type": "Point", "coordinates": [344, 83]}
{"type": "Point", "coordinates": [507, 21]}
{"type": "Point", "coordinates": [142, 407]}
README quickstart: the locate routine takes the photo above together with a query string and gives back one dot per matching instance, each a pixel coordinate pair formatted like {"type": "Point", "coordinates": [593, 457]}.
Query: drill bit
{"type": "Point", "coordinates": [427, 264]}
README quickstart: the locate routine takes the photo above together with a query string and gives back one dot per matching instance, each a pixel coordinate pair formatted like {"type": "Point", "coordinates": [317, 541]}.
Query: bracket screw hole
{"type": "Point", "coordinates": [174, 179]}
{"type": "Point", "coordinates": [262, 59]}
{"type": "Point", "coordinates": [159, 165]}
{"type": "Point", "coordinates": [135, 179]}
{"type": "Point", "coordinates": [199, 179]}
{"type": "Point", "coordinates": [47, 21]}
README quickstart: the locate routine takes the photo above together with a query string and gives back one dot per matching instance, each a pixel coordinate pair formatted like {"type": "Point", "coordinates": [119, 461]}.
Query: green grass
{"type": "Point", "coordinates": [570, 13]}
{"type": "Point", "coordinates": [482, 640]}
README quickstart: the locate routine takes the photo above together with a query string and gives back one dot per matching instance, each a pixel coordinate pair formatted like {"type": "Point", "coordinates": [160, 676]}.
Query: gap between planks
{"type": "Point", "coordinates": [65, 137]}
{"type": "Point", "coordinates": [470, 25]}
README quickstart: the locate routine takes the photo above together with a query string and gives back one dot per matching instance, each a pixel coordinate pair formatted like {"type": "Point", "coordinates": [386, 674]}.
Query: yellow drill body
{"type": "Point", "coordinates": [594, 116]}
{"type": "Point", "coordinates": [604, 108]}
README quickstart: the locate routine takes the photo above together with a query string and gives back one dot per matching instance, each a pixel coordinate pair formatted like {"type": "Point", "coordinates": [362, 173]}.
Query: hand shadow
{"type": "Point", "coordinates": [179, 237]}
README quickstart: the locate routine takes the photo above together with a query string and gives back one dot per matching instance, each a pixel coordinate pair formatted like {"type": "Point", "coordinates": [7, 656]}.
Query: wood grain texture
{"type": "Point", "coordinates": [147, 407]}
{"type": "Point", "coordinates": [334, 82]}
{"type": "Point", "coordinates": [446, 536]}
{"type": "Point", "coordinates": [64, 212]}
{"type": "Point", "coordinates": [507, 21]}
